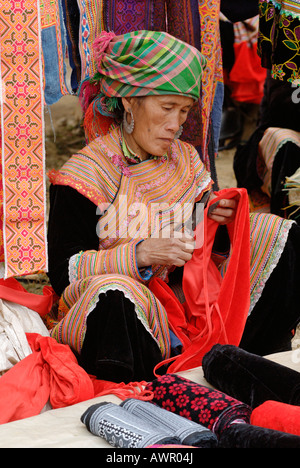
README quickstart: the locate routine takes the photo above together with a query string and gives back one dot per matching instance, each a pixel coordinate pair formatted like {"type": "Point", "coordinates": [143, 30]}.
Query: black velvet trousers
{"type": "Point", "coordinates": [270, 326]}
{"type": "Point", "coordinates": [117, 347]}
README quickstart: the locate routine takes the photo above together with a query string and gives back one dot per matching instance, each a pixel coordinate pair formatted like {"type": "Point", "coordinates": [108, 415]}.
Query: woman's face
{"type": "Point", "coordinates": [156, 121]}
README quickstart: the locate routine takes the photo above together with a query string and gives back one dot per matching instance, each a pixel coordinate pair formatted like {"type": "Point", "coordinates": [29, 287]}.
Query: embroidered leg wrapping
{"type": "Point", "coordinates": [188, 432]}
{"type": "Point", "coordinates": [122, 429]}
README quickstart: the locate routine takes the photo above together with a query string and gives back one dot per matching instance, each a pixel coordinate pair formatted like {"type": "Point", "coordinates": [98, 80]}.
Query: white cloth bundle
{"type": "Point", "coordinates": [15, 322]}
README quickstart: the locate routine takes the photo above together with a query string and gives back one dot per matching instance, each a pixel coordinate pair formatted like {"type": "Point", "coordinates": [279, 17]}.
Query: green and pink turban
{"type": "Point", "coordinates": [141, 63]}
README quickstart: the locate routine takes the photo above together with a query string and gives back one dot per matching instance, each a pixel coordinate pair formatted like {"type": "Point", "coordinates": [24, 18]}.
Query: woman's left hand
{"type": "Point", "coordinates": [224, 211]}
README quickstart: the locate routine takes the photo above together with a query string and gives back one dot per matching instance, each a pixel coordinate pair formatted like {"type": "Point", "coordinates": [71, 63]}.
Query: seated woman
{"type": "Point", "coordinates": [271, 156]}
{"type": "Point", "coordinates": [110, 205]}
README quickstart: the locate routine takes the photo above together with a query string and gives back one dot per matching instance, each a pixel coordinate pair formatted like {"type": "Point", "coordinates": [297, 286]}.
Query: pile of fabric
{"type": "Point", "coordinates": [258, 410]}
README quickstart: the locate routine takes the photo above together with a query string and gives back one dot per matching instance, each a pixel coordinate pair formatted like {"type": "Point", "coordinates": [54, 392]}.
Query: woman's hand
{"type": "Point", "coordinates": [171, 251]}
{"type": "Point", "coordinates": [224, 211]}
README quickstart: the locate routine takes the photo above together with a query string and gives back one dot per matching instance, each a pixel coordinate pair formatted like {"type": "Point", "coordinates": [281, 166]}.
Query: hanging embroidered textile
{"type": "Point", "coordinates": [213, 74]}
{"type": "Point", "coordinates": [22, 136]}
{"type": "Point", "coordinates": [53, 35]}
{"type": "Point", "coordinates": [279, 38]}
{"type": "Point", "coordinates": [91, 25]}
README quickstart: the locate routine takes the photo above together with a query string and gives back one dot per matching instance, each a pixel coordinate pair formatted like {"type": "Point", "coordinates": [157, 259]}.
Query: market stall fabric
{"type": "Point", "coordinates": [62, 427]}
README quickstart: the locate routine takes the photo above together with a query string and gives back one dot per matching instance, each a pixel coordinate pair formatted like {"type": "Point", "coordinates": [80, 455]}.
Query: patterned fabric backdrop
{"type": "Point", "coordinates": [23, 246]}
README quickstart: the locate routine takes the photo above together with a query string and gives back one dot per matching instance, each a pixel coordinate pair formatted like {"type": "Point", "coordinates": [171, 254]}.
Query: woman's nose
{"type": "Point", "coordinates": [174, 123]}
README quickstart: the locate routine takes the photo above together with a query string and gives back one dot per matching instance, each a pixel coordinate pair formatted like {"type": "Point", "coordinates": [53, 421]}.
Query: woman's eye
{"type": "Point", "coordinates": [167, 108]}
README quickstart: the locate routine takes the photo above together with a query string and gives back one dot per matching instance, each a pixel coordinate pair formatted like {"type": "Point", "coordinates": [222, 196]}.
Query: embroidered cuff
{"type": "Point", "coordinates": [119, 260]}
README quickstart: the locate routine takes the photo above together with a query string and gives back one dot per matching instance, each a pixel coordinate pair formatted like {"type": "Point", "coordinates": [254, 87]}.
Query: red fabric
{"type": "Point", "coordinates": [11, 290]}
{"type": "Point", "coordinates": [96, 124]}
{"type": "Point", "coordinates": [247, 76]}
{"type": "Point", "coordinates": [216, 308]}
{"type": "Point", "coordinates": [50, 373]}
{"type": "Point", "coordinates": [121, 390]}
{"type": "Point", "coordinates": [277, 416]}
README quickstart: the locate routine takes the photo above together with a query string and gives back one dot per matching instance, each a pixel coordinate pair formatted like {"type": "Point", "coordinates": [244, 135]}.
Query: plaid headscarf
{"type": "Point", "coordinates": [142, 63]}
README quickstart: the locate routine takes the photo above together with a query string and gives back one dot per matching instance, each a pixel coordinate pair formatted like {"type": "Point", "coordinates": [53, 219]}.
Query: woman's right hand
{"type": "Point", "coordinates": [171, 251]}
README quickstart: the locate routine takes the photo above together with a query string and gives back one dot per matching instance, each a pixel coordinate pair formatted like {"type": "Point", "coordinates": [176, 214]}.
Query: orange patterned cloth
{"type": "Point", "coordinates": [23, 233]}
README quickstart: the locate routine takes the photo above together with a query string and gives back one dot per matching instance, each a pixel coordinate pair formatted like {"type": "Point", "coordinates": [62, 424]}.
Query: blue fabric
{"type": "Point", "coordinates": [176, 344]}
{"type": "Point", "coordinates": [52, 87]}
{"type": "Point", "coordinates": [216, 113]}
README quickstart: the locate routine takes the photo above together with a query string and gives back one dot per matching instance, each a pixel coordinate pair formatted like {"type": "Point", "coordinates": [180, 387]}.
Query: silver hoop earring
{"type": "Point", "coordinates": [178, 133]}
{"type": "Point", "coordinates": [128, 127]}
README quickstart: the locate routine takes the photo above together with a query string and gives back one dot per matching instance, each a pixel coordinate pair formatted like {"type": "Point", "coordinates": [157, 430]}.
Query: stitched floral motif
{"type": "Point", "coordinates": [211, 408]}
{"type": "Point", "coordinates": [279, 39]}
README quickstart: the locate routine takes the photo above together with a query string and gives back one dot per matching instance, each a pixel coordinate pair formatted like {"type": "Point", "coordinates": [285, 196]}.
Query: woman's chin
{"type": "Point", "coordinates": [162, 150]}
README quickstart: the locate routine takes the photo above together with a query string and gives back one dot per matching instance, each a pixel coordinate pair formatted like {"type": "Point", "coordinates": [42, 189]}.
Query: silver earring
{"type": "Point", "coordinates": [178, 133]}
{"type": "Point", "coordinates": [128, 127]}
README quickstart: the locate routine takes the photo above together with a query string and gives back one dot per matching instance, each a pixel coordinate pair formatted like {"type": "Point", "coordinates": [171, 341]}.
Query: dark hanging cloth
{"type": "Point", "coordinates": [72, 24]}
{"type": "Point", "coordinates": [239, 11]}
